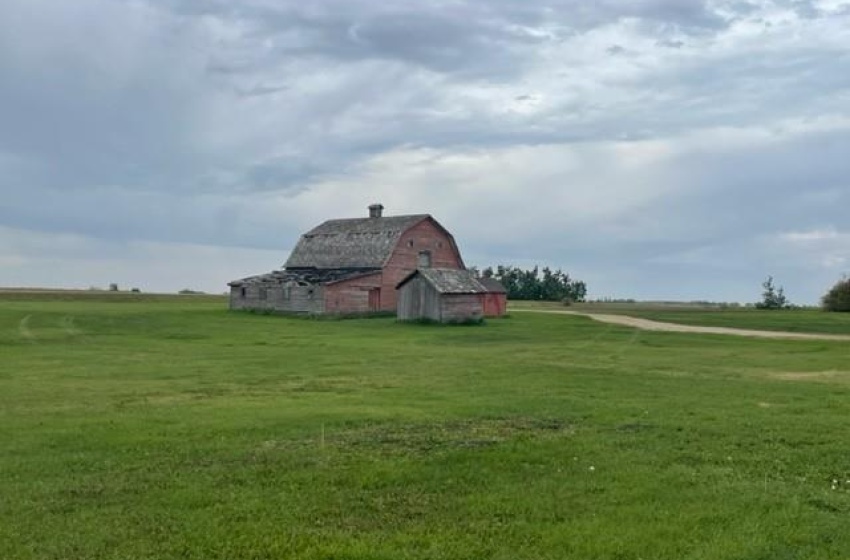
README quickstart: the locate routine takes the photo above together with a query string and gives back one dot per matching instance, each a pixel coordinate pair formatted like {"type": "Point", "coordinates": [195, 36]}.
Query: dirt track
{"type": "Point", "coordinates": [648, 325]}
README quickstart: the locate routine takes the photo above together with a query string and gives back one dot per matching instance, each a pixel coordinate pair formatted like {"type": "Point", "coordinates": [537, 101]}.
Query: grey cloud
{"type": "Point", "coordinates": [121, 215]}
{"type": "Point", "coordinates": [704, 238]}
{"type": "Point", "coordinates": [260, 90]}
{"type": "Point", "coordinates": [474, 38]}
{"type": "Point", "coordinates": [670, 43]}
{"type": "Point", "coordinates": [164, 121]}
{"type": "Point", "coordinates": [90, 107]}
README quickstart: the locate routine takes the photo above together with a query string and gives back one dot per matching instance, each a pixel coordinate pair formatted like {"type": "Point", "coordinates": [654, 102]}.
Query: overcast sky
{"type": "Point", "coordinates": [657, 149]}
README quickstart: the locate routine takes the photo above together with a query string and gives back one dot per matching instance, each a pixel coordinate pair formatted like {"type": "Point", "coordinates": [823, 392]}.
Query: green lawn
{"type": "Point", "coordinates": [170, 428]}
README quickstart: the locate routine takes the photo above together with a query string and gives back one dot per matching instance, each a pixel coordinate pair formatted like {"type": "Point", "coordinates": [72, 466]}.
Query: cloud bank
{"type": "Point", "coordinates": [667, 149]}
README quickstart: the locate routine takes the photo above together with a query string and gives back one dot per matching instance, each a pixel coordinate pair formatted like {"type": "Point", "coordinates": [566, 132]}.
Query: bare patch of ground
{"type": "Point", "coordinates": [811, 375]}
{"type": "Point", "coordinates": [649, 325]}
{"type": "Point", "coordinates": [24, 328]}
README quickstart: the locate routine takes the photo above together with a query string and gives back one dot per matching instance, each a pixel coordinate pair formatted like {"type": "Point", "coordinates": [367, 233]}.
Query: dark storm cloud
{"type": "Point", "coordinates": [476, 38]}
{"type": "Point", "coordinates": [125, 99]}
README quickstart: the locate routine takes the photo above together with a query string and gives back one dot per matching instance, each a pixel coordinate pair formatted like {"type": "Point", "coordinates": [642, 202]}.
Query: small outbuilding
{"type": "Point", "coordinates": [495, 300]}
{"type": "Point", "coordinates": [443, 295]}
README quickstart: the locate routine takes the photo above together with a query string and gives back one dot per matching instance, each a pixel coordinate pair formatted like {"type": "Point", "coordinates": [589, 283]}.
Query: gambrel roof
{"type": "Point", "coordinates": [453, 281]}
{"type": "Point", "coordinates": [352, 243]}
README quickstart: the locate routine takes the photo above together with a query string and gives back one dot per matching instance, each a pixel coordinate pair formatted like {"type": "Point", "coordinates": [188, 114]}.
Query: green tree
{"type": "Point", "coordinates": [838, 297]}
{"type": "Point", "coordinates": [772, 297]}
{"type": "Point", "coordinates": [537, 284]}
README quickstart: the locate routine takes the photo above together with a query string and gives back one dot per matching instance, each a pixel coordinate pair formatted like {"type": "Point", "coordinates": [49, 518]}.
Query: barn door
{"type": "Point", "coordinates": [375, 299]}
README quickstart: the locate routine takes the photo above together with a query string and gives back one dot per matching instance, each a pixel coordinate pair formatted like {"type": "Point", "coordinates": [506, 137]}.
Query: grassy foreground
{"type": "Point", "coordinates": [173, 429]}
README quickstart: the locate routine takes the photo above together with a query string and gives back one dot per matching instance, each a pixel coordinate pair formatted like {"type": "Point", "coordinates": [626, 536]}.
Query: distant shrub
{"type": "Point", "coordinates": [772, 297]}
{"type": "Point", "coordinates": [188, 292]}
{"type": "Point", "coordinates": [838, 297]}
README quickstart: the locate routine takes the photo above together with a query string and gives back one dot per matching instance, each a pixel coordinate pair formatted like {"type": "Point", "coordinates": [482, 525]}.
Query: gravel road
{"type": "Point", "coordinates": [649, 325]}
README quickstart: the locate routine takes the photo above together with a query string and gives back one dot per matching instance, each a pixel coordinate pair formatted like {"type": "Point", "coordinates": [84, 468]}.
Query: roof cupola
{"type": "Point", "coordinates": [376, 210]}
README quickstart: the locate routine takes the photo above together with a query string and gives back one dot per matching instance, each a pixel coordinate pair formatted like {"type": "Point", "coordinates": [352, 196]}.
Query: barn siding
{"type": "Point", "coordinates": [426, 236]}
{"type": "Point", "coordinates": [236, 299]}
{"type": "Point", "coordinates": [351, 296]}
{"type": "Point", "coordinates": [494, 304]}
{"type": "Point", "coordinates": [301, 299]}
{"type": "Point", "coordinates": [455, 308]}
{"type": "Point", "coordinates": [418, 299]}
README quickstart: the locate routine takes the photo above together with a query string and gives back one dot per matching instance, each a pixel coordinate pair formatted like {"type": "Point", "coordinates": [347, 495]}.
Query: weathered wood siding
{"type": "Point", "coordinates": [457, 308]}
{"type": "Point", "coordinates": [417, 299]}
{"type": "Point", "coordinates": [425, 236]}
{"type": "Point", "coordinates": [277, 297]}
{"type": "Point", "coordinates": [352, 296]}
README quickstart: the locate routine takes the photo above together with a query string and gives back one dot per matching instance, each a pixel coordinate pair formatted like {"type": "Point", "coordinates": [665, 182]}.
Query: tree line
{"type": "Point", "coordinates": [542, 284]}
{"type": "Point", "coordinates": [836, 299]}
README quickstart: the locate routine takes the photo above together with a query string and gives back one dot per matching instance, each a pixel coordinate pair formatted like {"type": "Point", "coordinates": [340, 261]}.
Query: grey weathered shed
{"type": "Point", "coordinates": [295, 291]}
{"type": "Point", "coordinates": [440, 294]}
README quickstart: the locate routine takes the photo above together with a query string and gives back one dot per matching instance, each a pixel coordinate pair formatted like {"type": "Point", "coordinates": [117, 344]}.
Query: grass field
{"type": "Point", "coordinates": [165, 428]}
{"type": "Point", "coordinates": [811, 320]}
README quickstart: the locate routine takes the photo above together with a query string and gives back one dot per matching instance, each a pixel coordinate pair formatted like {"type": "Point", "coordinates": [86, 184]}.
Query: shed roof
{"type": "Point", "coordinates": [493, 286]}
{"type": "Point", "coordinates": [449, 281]}
{"type": "Point", "coordinates": [304, 277]}
{"type": "Point", "coordinates": [351, 243]}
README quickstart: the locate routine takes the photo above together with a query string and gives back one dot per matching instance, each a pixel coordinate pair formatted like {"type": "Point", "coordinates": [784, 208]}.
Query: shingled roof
{"type": "Point", "coordinates": [493, 286]}
{"type": "Point", "coordinates": [303, 277]}
{"type": "Point", "coordinates": [452, 281]}
{"type": "Point", "coordinates": [351, 243]}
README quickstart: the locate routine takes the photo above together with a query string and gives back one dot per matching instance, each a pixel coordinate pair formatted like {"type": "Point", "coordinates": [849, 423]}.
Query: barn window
{"type": "Point", "coordinates": [287, 292]}
{"type": "Point", "coordinates": [243, 292]}
{"type": "Point", "coordinates": [310, 293]}
{"type": "Point", "coordinates": [264, 294]}
{"type": "Point", "coordinates": [410, 243]}
{"type": "Point", "coordinates": [439, 244]}
{"type": "Point", "coordinates": [424, 259]}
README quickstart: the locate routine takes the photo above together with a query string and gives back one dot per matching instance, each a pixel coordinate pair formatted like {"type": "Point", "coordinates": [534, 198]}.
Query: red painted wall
{"type": "Point", "coordinates": [495, 305]}
{"type": "Point", "coordinates": [424, 236]}
{"type": "Point", "coordinates": [351, 296]}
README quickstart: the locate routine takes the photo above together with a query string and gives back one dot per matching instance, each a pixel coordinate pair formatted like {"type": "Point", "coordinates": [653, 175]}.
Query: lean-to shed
{"type": "Point", "coordinates": [443, 295]}
{"type": "Point", "coordinates": [495, 300]}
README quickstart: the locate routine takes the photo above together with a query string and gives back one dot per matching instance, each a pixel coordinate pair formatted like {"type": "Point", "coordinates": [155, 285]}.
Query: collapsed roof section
{"type": "Point", "coordinates": [305, 277]}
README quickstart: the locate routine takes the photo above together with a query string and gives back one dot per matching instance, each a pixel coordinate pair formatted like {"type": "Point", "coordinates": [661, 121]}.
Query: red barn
{"type": "Point", "coordinates": [350, 265]}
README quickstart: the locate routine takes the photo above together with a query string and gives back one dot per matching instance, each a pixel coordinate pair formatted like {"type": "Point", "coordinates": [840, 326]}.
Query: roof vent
{"type": "Point", "coordinates": [376, 210]}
